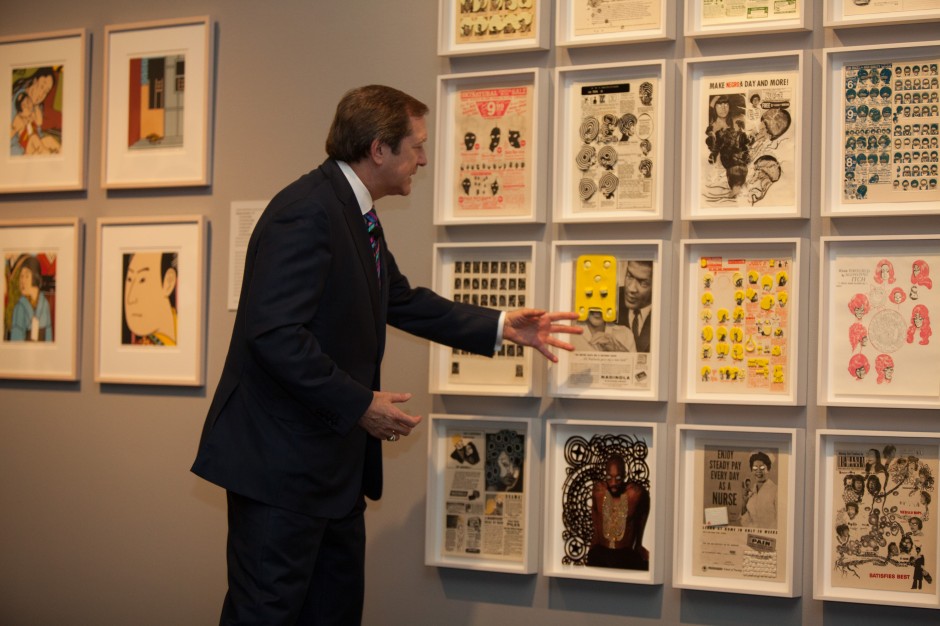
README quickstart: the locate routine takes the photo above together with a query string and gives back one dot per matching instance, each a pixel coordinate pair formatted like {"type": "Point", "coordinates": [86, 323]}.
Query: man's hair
{"type": "Point", "coordinates": [368, 113]}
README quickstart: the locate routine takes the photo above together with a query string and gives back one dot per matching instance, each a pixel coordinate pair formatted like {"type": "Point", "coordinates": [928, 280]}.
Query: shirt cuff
{"type": "Point", "coordinates": [499, 331]}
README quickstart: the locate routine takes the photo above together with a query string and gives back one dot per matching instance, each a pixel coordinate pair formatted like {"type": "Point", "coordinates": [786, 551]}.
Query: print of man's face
{"type": "Point", "coordinates": [637, 285]}
{"type": "Point", "coordinates": [146, 293]}
{"type": "Point", "coordinates": [615, 479]}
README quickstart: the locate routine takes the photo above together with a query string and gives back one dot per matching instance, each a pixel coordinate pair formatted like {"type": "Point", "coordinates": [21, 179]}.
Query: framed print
{"type": "Point", "coordinates": [613, 143]}
{"type": "Point", "coordinates": [150, 312]}
{"type": "Point", "coordinates": [616, 287]}
{"type": "Point", "coordinates": [604, 496]}
{"type": "Point", "coordinates": [157, 98]}
{"type": "Point", "coordinates": [469, 27]}
{"type": "Point", "coordinates": [42, 284]}
{"type": "Point", "coordinates": [707, 18]}
{"type": "Point", "coordinates": [45, 102]}
{"type": "Point", "coordinates": [745, 124]}
{"type": "Point", "coordinates": [483, 499]}
{"type": "Point", "coordinates": [876, 541]}
{"type": "Point", "coordinates": [741, 340]}
{"type": "Point", "coordinates": [492, 140]}
{"type": "Point", "coordinates": [850, 13]}
{"type": "Point", "coordinates": [876, 298]}
{"type": "Point", "coordinates": [496, 275]}
{"type": "Point", "coordinates": [739, 510]}
{"type": "Point", "coordinates": [880, 122]}
{"type": "Point", "coordinates": [591, 23]}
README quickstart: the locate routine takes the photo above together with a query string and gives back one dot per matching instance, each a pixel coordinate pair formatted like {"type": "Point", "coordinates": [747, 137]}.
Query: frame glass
{"type": "Point", "coordinates": [704, 18]}
{"type": "Point", "coordinates": [46, 103]}
{"type": "Point", "coordinates": [41, 286]}
{"type": "Point", "coordinates": [875, 347]}
{"type": "Point", "coordinates": [742, 307]}
{"type": "Point", "coordinates": [612, 359]}
{"type": "Point", "coordinates": [876, 542]}
{"type": "Point", "coordinates": [746, 120]}
{"type": "Point", "coordinates": [880, 130]}
{"type": "Point", "coordinates": [491, 143]}
{"type": "Point", "coordinates": [739, 529]}
{"type": "Point", "coordinates": [468, 27]}
{"type": "Point", "coordinates": [496, 275]}
{"type": "Point", "coordinates": [150, 312]}
{"type": "Point", "coordinates": [483, 498]}
{"type": "Point", "coordinates": [850, 13]}
{"type": "Point", "coordinates": [587, 23]}
{"type": "Point", "coordinates": [592, 532]}
{"type": "Point", "coordinates": [157, 98]}
{"type": "Point", "coordinates": [613, 143]}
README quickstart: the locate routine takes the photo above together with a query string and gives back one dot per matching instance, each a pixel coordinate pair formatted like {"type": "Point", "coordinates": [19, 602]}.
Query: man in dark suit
{"type": "Point", "coordinates": [636, 302]}
{"type": "Point", "coordinates": [295, 428]}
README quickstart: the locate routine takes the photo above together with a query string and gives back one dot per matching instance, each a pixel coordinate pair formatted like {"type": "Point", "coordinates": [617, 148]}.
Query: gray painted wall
{"type": "Point", "coordinates": [101, 521]}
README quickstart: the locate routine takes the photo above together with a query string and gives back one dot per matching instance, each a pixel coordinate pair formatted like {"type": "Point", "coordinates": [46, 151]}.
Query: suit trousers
{"type": "Point", "coordinates": [287, 568]}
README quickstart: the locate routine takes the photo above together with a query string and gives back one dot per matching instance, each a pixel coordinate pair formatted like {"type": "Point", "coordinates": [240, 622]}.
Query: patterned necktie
{"type": "Point", "coordinates": [372, 225]}
{"type": "Point", "coordinates": [636, 325]}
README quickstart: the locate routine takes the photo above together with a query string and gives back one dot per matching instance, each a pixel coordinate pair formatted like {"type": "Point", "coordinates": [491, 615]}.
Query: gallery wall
{"type": "Point", "coordinates": [100, 519]}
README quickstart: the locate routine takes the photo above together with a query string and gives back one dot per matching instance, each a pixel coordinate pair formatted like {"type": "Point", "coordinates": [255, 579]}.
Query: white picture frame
{"type": "Point", "coordinates": [871, 352]}
{"type": "Point", "coordinates": [48, 151]}
{"type": "Point", "coordinates": [583, 23]}
{"type": "Point", "coordinates": [851, 14]}
{"type": "Point", "coordinates": [856, 557]}
{"type": "Point", "coordinates": [719, 544]}
{"type": "Point", "coordinates": [755, 18]}
{"type": "Point", "coordinates": [161, 357]}
{"type": "Point", "coordinates": [765, 129]}
{"type": "Point", "coordinates": [582, 93]}
{"type": "Point", "coordinates": [581, 374]}
{"type": "Point", "coordinates": [492, 508]}
{"type": "Point", "coordinates": [575, 452]}
{"type": "Point", "coordinates": [506, 373]}
{"type": "Point", "coordinates": [56, 247]}
{"type": "Point", "coordinates": [849, 188]}
{"type": "Point", "coordinates": [474, 27]}
{"type": "Point", "coordinates": [747, 353]}
{"type": "Point", "coordinates": [495, 180]}
{"type": "Point", "coordinates": [134, 152]}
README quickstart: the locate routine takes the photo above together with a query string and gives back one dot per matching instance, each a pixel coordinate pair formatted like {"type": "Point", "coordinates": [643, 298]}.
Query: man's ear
{"type": "Point", "coordinates": [169, 282]}
{"type": "Point", "coordinates": [378, 151]}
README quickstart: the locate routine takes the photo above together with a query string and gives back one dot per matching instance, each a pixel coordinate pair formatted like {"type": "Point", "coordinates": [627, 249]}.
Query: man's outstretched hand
{"type": "Point", "coordinates": [535, 328]}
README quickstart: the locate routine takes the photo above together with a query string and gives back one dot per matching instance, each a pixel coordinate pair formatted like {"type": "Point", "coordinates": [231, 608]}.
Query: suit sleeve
{"type": "Point", "coordinates": [422, 312]}
{"type": "Point", "coordinates": [291, 267]}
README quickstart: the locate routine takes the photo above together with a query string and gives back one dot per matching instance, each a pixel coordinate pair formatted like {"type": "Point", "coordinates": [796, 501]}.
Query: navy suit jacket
{"type": "Point", "coordinates": [306, 353]}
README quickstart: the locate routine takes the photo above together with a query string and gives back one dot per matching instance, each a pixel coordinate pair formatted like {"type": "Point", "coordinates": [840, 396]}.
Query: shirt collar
{"type": "Point", "coordinates": [363, 197]}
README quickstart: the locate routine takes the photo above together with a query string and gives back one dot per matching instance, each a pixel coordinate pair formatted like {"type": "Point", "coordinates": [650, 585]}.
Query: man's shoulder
{"type": "Point", "coordinates": [319, 188]}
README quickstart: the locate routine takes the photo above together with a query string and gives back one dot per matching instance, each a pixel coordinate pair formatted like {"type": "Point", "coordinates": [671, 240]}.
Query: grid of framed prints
{"type": "Point", "coordinates": [612, 142]}
{"type": "Point", "coordinates": [744, 131]}
{"type": "Point", "coordinates": [41, 286]}
{"type": "Point", "coordinates": [704, 18]}
{"type": "Point", "coordinates": [741, 304]}
{"type": "Point", "coordinates": [150, 313]}
{"type": "Point", "coordinates": [468, 27]}
{"type": "Point", "coordinates": [492, 141]}
{"type": "Point", "coordinates": [876, 296]}
{"type": "Point", "coordinates": [880, 131]}
{"type": "Point", "coordinates": [483, 495]}
{"type": "Point", "coordinates": [876, 541]}
{"type": "Point", "coordinates": [604, 497]}
{"type": "Point", "coordinates": [46, 105]}
{"type": "Point", "coordinates": [850, 13]}
{"type": "Point", "coordinates": [616, 288]}
{"type": "Point", "coordinates": [496, 275]}
{"type": "Point", "coordinates": [156, 104]}
{"type": "Point", "coordinates": [591, 23]}
{"type": "Point", "coordinates": [739, 510]}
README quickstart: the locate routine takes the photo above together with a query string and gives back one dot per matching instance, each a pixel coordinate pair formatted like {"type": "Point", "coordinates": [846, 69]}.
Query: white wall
{"type": "Point", "coordinates": [101, 521]}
